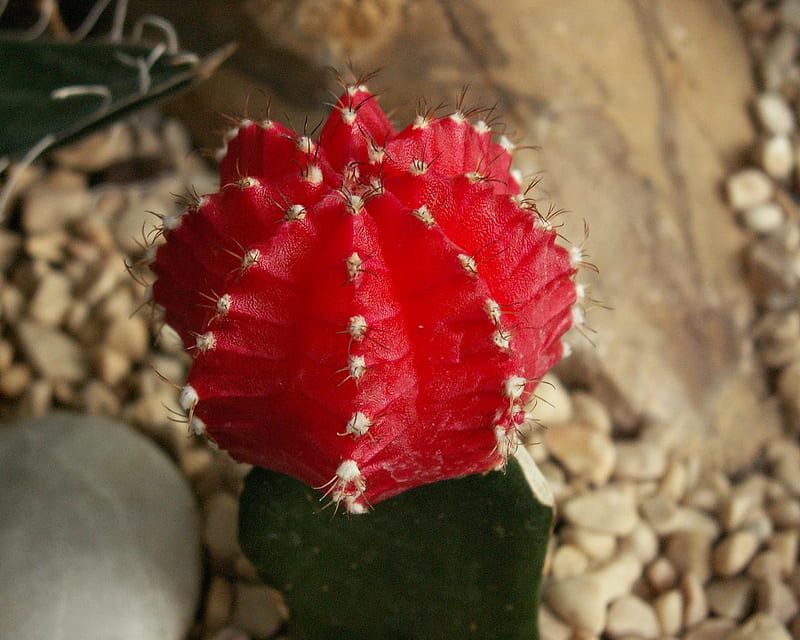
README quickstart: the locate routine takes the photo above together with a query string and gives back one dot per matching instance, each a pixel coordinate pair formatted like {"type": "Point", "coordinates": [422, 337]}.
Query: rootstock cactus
{"type": "Point", "coordinates": [369, 311]}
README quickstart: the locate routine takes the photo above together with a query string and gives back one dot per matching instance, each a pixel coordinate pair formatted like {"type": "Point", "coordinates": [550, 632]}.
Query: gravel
{"type": "Point", "coordinates": [648, 543]}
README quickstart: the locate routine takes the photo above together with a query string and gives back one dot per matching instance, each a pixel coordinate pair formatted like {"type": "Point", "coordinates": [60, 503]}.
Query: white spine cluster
{"type": "Point", "coordinates": [358, 425]}
{"type": "Point", "coordinates": [469, 264]}
{"type": "Point", "coordinates": [357, 328]}
{"type": "Point", "coordinates": [349, 487]}
{"type": "Point", "coordinates": [424, 215]}
{"type": "Point", "coordinates": [205, 341]}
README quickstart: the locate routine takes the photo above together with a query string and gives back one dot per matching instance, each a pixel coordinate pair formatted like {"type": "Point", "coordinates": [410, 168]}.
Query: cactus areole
{"type": "Point", "coordinates": [369, 311]}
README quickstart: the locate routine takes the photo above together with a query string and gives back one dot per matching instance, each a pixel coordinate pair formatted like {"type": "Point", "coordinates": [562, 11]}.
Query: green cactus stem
{"type": "Point", "coordinates": [455, 559]}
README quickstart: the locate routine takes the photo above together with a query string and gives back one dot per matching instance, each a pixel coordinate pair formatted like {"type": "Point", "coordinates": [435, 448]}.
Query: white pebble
{"type": "Point", "coordinates": [259, 610]}
{"type": "Point", "coordinates": [760, 626]}
{"type": "Point", "coordinates": [763, 218]}
{"type": "Point", "coordinates": [774, 113]}
{"type": "Point", "coordinates": [669, 611]}
{"type": "Point", "coordinates": [591, 510]}
{"type": "Point", "coordinates": [632, 616]}
{"type": "Point", "coordinates": [776, 156]}
{"type": "Point", "coordinates": [748, 188]}
{"type": "Point", "coordinates": [733, 552]}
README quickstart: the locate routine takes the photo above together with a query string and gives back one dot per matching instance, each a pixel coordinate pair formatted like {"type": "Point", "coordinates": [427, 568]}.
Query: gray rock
{"type": "Point", "coordinates": [98, 534]}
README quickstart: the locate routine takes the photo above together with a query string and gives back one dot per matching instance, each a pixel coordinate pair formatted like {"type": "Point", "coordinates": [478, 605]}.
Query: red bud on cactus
{"type": "Point", "coordinates": [367, 312]}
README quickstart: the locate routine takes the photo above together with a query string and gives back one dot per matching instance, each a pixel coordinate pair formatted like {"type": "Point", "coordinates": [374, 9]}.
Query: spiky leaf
{"type": "Point", "coordinates": [32, 71]}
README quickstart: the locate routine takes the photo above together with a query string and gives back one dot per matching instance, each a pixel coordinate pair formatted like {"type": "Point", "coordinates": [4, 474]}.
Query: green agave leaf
{"type": "Point", "coordinates": [37, 80]}
{"type": "Point", "coordinates": [455, 559]}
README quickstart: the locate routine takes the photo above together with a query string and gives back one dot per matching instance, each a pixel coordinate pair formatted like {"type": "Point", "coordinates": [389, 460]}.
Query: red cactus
{"type": "Point", "coordinates": [368, 312]}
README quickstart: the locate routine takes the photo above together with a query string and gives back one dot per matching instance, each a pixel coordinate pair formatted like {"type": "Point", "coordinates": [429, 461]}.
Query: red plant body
{"type": "Point", "coordinates": [368, 312]}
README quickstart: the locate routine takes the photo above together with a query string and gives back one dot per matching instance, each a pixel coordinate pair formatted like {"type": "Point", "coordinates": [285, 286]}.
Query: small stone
{"type": "Point", "coordinates": [690, 551]}
{"type": "Point", "coordinates": [711, 629]}
{"type": "Point", "coordinates": [551, 627]}
{"type": "Point", "coordinates": [785, 545]}
{"type": "Point", "coordinates": [669, 610]}
{"type": "Point", "coordinates": [51, 300]}
{"type": "Point", "coordinates": [760, 626]}
{"type": "Point", "coordinates": [98, 150]}
{"type": "Point", "coordinates": [776, 157]}
{"type": "Point", "coordinates": [741, 501]}
{"type": "Point", "coordinates": [661, 574]}
{"type": "Point", "coordinates": [14, 380]}
{"type": "Point", "coordinates": [774, 113]}
{"type": "Point", "coordinates": [748, 188]}
{"type": "Point", "coordinates": [605, 510]}
{"type": "Point", "coordinates": [675, 482]}
{"type": "Point", "coordinates": [568, 560]}
{"type": "Point", "coordinates": [581, 601]}
{"type": "Point", "coordinates": [244, 569]}
{"type": "Point", "coordinates": [704, 498]}
{"type": "Point", "coordinates": [640, 460]}
{"type": "Point", "coordinates": [666, 517]}
{"type": "Point", "coordinates": [47, 247]}
{"type": "Point", "coordinates": [220, 532]}
{"type": "Point", "coordinates": [129, 336]}
{"type": "Point", "coordinates": [219, 604]}
{"type": "Point", "coordinates": [111, 365]}
{"type": "Point", "coordinates": [767, 564]}
{"type": "Point", "coordinates": [775, 598]}
{"type": "Point", "coordinates": [632, 616]}
{"type": "Point", "coordinates": [598, 546]}
{"type": "Point", "coordinates": [259, 610]}
{"type": "Point", "coordinates": [733, 552]}
{"type": "Point", "coordinates": [53, 354]}
{"type": "Point", "coordinates": [46, 208]}
{"type": "Point", "coordinates": [591, 412]}
{"type": "Point", "coordinates": [641, 542]}
{"type": "Point", "coordinates": [695, 605]}
{"type": "Point", "coordinates": [11, 302]}
{"type": "Point", "coordinates": [584, 452]}
{"type": "Point", "coordinates": [552, 404]}
{"type": "Point", "coordinates": [37, 399]}
{"type": "Point", "coordinates": [764, 218]}
{"type": "Point", "coordinates": [99, 399]}
{"type": "Point", "coordinates": [731, 597]}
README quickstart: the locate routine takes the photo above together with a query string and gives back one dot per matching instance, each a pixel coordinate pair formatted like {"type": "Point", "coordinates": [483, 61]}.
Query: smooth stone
{"type": "Point", "coordinates": [593, 510]}
{"type": "Point", "coordinates": [98, 533]}
{"type": "Point", "coordinates": [776, 156]}
{"type": "Point", "coordinates": [775, 598]}
{"type": "Point", "coordinates": [640, 460]}
{"type": "Point", "coordinates": [582, 600]}
{"type": "Point", "coordinates": [760, 626]}
{"type": "Point", "coordinates": [221, 529]}
{"type": "Point", "coordinates": [259, 610]}
{"type": "Point", "coordinates": [731, 597]}
{"type": "Point", "coordinates": [733, 552]}
{"type": "Point", "coordinates": [632, 616]}
{"type": "Point", "coordinates": [583, 451]}
{"type": "Point", "coordinates": [661, 574]}
{"type": "Point", "coordinates": [551, 627]}
{"type": "Point", "coordinates": [711, 629]}
{"type": "Point", "coordinates": [642, 542]}
{"type": "Point", "coordinates": [690, 551]}
{"type": "Point", "coordinates": [695, 604]}
{"type": "Point", "coordinates": [749, 188]}
{"type": "Point", "coordinates": [774, 113]}
{"type": "Point", "coordinates": [551, 404]}
{"type": "Point", "coordinates": [54, 354]}
{"type": "Point", "coordinates": [669, 611]}
{"type": "Point", "coordinates": [764, 218]}
{"type": "Point", "coordinates": [666, 517]}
